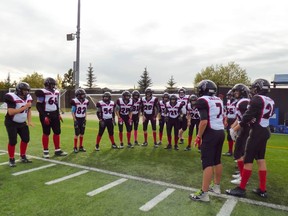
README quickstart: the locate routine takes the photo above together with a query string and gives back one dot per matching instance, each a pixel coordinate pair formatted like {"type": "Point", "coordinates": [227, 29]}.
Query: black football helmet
{"type": "Point", "coordinates": [126, 95]}
{"type": "Point", "coordinates": [50, 84]}
{"type": "Point", "coordinates": [173, 99]}
{"type": "Point", "coordinates": [165, 96]}
{"type": "Point", "coordinates": [182, 92]}
{"type": "Point", "coordinates": [242, 89]}
{"type": "Point", "coordinates": [148, 92]}
{"type": "Point", "coordinates": [206, 87]}
{"type": "Point", "coordinates": [135, 95]}
{"type": "Point", "coordinates": [80, 94]}
{"type": "Point", "coordinates": [229, 94]}
{"type": "Point", "coordinates": [20, 88]}
{"type": "Point", "coordinates": [260, 86]}
{"type": "Point", "coordinates": [193, 98]}
{"type": "Point", "coordinates": [106, 96]}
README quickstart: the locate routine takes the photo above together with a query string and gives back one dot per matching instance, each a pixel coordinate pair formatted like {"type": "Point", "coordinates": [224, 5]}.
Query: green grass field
{"type": "Point", "coordinates": [27, 194]}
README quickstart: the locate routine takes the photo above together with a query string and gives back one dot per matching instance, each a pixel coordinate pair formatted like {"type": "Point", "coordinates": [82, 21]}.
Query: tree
{"type": "Point", "coordinates": [224, 75]}
{"type": "Point", "coordinates": [145, 81]}
{"type": "Point", "coordinates": [170, 88]}
{"type": "Point", "coordinates": [91, 79]}
{"type": "Point", "coordinates": [59, 81]}
{"type": "Point", "coordinates": [35, 80]}
{"type": "Point", "coordinates": [67, 82]}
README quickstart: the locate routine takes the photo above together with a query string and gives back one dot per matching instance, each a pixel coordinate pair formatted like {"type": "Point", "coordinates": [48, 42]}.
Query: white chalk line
{"type": "Point", "coordinates": [33, 169]}
{"type": "Point", "coordinates": [228, 207]}
{"type": "Point", "coordinates": [106, 187]}
{"type": "Point", "coordinates": [66, 177]}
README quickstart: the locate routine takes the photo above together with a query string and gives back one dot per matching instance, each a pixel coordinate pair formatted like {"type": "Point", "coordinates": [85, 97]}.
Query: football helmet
{"type": "Point", "coordinates": [242, 89]}
{"type": "Point", "coordinates": [106, 96]}
{"type": "Point", "coordinates": [182, 92]}
{"type": "Point", "coordinates": [148, 92]}
{"type": "Point", "coordinates": [206, 87]}
{"type": "Point", "coordinates": [135, 95]}
{"type": "Point", "coordinates": [50, 84]}
{"type": "Point", "coordinates": [173, 99]}
{"type": "Point", "coordinates": [165, 97]}
{"type": "Point", "coordinates": [20, 88]}
{"type": "Point", "coordinates": [193, 97]}
{"type": "Point", "coordinates": [260, 86]}
{"type": "Point", "coordinates": [229, 94]}
{"type": "Point", "coordinates": [80, 94]}
{"type": "Point", "coordinates": [126, 95]}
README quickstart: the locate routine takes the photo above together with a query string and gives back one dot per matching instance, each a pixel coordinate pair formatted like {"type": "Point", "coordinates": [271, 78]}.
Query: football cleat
{"type": "Point", "coordinates": [121, 146]}
{"type": "Point", "coordinates": [181, 141]}
{"type": "Point", "coordinates": [156, 145]}
{"type": "Point", "coordinates": [236, 181]}
{"type": "Point", "coordinates": [12, 162]}
{"type": "Point", "coordinates": [236, 176]}
{"type": "Point", "coordinates": [130, 145]}
{"type": "Point", "coordinates": [59, 152]}
{"type": "Point", "coordinates": [227, 154]}
{"type": "Point", "coordinates": [239, 192]}
{"type": "Point", "coordinates": [200, 196]}
{"type": "Point", "coordinates": [176, 147]}
{"type": "Point", "coordinates": [97, 148]}
{"type": "Point", "coordinates": [214, 188]}
{"type": "Point", "coordinates": [136, 142]}
{"type": "Point", "coordinates": [144, 144]}
{"type": "Point", "coordinates": [169, 146]}
{"type": "Point", "coordinates": [24, 159]}
{"type": "Point", "coordinates": [46, 154]}
{"type": "Point", "coordinates": [114, 146]}
{"type": "Point", "coordinates": [260, 193]}
{"type": "Point", "coordinates": [159, 143]}
{"type": "Point", "coordinates": [82, 149]}
{"type": "Point", "coordinates": [75, 150]}
{"type": "Point", "coordinates": [188, 148]}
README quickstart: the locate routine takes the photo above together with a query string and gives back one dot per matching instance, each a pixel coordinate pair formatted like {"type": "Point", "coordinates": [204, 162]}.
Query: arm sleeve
{"type": "Point", "coordinates": [243, 107]}
{"type": "Point", "coordinates": [41, 109]}
{"type": "Point", "coordinates": [202, 107]}
{"type": "Point", "coordinates": [9, 101]}
{"type": "Point", "coordinates": [99, 111]}
{"type": "Point", "coordinates": [253, 111]}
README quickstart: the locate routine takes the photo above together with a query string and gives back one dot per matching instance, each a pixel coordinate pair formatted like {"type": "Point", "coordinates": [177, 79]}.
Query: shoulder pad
{"type": "Point", "coordinates": [39, 93]}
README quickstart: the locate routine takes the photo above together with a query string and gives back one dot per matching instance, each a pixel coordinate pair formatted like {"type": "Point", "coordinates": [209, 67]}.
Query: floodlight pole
{"type": "Point", "coordinates": [77, 71]}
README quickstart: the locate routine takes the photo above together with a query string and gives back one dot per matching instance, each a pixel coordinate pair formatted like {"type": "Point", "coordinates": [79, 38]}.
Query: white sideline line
{"type": "Point", "coordinates": [149, 205]}
{"type": "Point", "coordinates": [66, 177]}
{"type": "Point", "coordinates": [228, 207]}
{"type": "Point", "coordinates": [7, 162]}
{"type": "Point", "coordinates": [2, 153]}
{"type": "Point", "coordinates": [161, 183]}
{"type": "Point", "coordinates": [106, 187]}
{"type": "Point", "coordinates": [32, 170]}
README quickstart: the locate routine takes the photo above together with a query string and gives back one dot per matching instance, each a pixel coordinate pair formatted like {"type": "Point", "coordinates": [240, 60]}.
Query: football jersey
{"type": "Point", "coordinates": [14, 101]}
{"type": "Point", "coordinates": [149, 105]}
{"type": "Point", "coordinates": [231, 109]}
{"type": "Point", "coordinates": [124, 108]}
{"type": "Point", "coordinates": [184, 100]}
{"type": "Point", "coordinates": [81, 107]}
{"type": "Point", "coordinates": [267, 111]}
{"type": "Point", "coordinates": [162, 108]}
{"type": "Point", "coordinates": [106, 110]}
{"type": "Point", "coordinates": [192, 111]}
{"type": "Point", "coordinates": [173, 111]}
{"type": "Point", "coordinates": [241, 108]}
{"type": "Point", "coordinates": [50, 99]}
{"type": "Point", "coordinates": [136, 106]}
{"type": "Point", "coordinates": [214, 107]}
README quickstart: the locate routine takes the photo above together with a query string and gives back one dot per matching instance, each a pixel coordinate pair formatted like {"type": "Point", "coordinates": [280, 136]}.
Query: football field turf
{"type": "Point", "coordinates": [139, 181]}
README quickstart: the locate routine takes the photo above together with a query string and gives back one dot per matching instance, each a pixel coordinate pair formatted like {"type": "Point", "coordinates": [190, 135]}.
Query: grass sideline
{"type": "Point", "coordinates": [183, 168]}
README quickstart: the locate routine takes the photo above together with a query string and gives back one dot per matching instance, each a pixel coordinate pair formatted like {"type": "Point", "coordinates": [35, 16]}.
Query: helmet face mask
{"type": "Point", "coordinates": [22, 90]}
{"type": "Point", "coordinates": [173, 99]}
{"type": "Point", "coordinates": [148, 92]}
{"type": "Point", "coordinates": [192, 99]}
{"type": "Point", "coordinates": [166, 97]}
{"type": "Point", "coordinates": [135, 95]}
{"type": "Point", "coordinates": [106, 97]}
{"type": "Point", "coordinates": [181, 92]}
{"type": "Point", "coordinates": [240, 91]}
{"type": "Point", "coordinates": [80, 94]}
{"type": "Point", "coordinates": [126, 95]}
{"type": "Point", "coordinates": [50, 84]}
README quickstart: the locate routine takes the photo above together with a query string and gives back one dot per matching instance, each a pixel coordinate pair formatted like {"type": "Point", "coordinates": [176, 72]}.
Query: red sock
{"type": "Point", "coordinates": [98, 139]}
{"type": "Point", "coordinates": [240, 164]}
{"type": "Point", "coordinates": [160, 136]}
{"type": "Point", "coordinates": [262, 179]}
{"type": "Point", "coordinates": [75, 142]}
{"type": "Point", "coordinates": [245, 177]}
{"type": "Point", "coordinates": [56, 140]}
{"type": "Point", "coordinates": [169, 139]}
{"type": "Point", "coordinates": [121, 137]}
{"type": "Point", "coordinates": [129, 137]}
{"type": "Point", "coordinates": [176, 140]}
{"type": "Point", "coordinates": [45, 141]}
{"type": "Point", "coordinates": [145, 136]}
{"type": "Point", "coordinates": [154, 136]}
{"type": "Point", "coordinates": [11, 150]}
{"type": "Point", "coordinates": [112, 139]}
{"type": "Point", "coordinates": [135, 135]}
{"type": "Point", "coordinates": [189, 140]}
{"type": "Point", "coordinates": [23, 148]}
{"type": "Point", "coordinates": [81, 141]}
{"type": "Point", "coordinates": [230, 145]}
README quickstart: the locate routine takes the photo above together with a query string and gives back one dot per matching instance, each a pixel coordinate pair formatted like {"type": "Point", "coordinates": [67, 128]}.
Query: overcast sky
{"type": "Point", "coordinates": [121, 37]}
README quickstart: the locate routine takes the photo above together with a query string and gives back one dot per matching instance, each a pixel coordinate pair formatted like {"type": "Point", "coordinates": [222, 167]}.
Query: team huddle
{"type": "Point", "coordinates": [245, 116]}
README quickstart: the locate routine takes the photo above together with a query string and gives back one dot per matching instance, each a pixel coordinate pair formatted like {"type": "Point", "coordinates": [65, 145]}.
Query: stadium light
{"type": "Point", "coordinates": [71, 37]}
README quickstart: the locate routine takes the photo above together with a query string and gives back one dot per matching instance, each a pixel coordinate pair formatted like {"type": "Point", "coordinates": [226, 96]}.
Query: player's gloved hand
{"type": "Point", "coordinates": [233, 134]}
{"type": "Point", "coordinates": [47, 120]}
{"type": "Point", "coordinates": [60, 118]}
{"type": "Point", "coordinates": [197, 141]}
{"type": "Point", "coordinates": [75, 124]}
{"type": "Point", "coordinates": [102, 123]}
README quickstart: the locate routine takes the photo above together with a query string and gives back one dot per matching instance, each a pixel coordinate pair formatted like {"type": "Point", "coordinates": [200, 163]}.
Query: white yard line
{"type": "Point", "coordinates": [228, 207]}
{"type": "Point", "coordinates": [66, 177]}
{"type": "Point", "coordinates": [2, 153]}
{"type": "Point", "coordinates": [7, 162]}
{"type": "Point", "coordinates": [165, 184]}
{"type": "Point", "coordinates": [33, 169]}
{"type": "Point", "coordinates": [152, 203]}
{"type": "Point", "coordinates": [106, 187]}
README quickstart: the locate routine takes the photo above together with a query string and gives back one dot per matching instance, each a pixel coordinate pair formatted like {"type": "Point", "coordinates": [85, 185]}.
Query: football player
{"type": "Point", "coordinates": [124, 114]}
{"type": "Point", "coordinates": [174, 116]}
{"type": "Point", "coordinates": [149, 108]}
{"type": "Point", "coordinates": [106, 115]}
{"type": "Point", "coordinates": [260, 110]}
{"type": "Point", "coordinates": [136, 114]}
{"type": "Point", "coordinates": [183, 98]}
{"type": "Point", "coordinates": [211, 137]}
{"type": "Point", "coordinates": [18, 112]}
{"type": "Point", "coordinates": [193, 119]}
{"type": "Point", "coordinates": [48, 108]}
{"type": "Point", "coordinates": [79, 107]}
{"type": "Point", "coordinates": [162, 114]}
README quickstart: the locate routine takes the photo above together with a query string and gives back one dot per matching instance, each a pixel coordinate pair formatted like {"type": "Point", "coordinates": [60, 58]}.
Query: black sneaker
{"type": "Point", "coordinates": [227, 154]}
{"type": "Point", "coordinates": [24, 159]}
{"type": "Point", "coordinates": [159, 143]}
{"type": "Point", "coordinates": [130, 145]}
{"type": "Point", "coordinates": [181, 141]}
{"type": "Point", "coordinates": [82, 149]}
{"type": "Point", "coordinates": [121, 146]}
{"type": "Point", "coordinates": [59, 152]}
{"type": "Point", "coordinates": [169, 146]}
{"type": "Point", "coordinates": [12, 162]}
{"type": "Point", "coordinates": [75, 150]}
{"type": "Point", "coordinates": [97, 148]}
{"type": "Point", "coordinates": [176, 147]}
{"type": "Point", "coordinates": [260, 193]}
{"type": "Point", "coordinates": [114, 146]}
{"type": "Point", "coordinates": [188, 148]}
{"type": "Point", "coordinates": [239, 192]}
{"type": "Point", "coordinates": [156, 145]}
{"type": "Point", "coordinates": [144, 144]}
{"type": "Point", "coordinates": [46, 154]}
{"type": "Point", "coordinates": [136, 142]}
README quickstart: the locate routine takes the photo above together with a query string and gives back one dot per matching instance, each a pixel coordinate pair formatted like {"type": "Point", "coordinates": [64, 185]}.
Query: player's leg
{"type": "Point", "coordinates": [45, 137]}
{"type": "Point", "coordinates": [161, 128]}
{"type": "Point", "coordinates": [153, 124]}
{"type": "Point", "coordinates": [102, 126]}
{"type": "Point", "coordinates": [169, 131]}
{"type": "Point", "coordinates": [12, 140]}
{"type": "Point", "coordinates": [229, 139]}
{"type": "Point", "coordinates": [145, 126]}
{"type": "Point", "coordinates": [110, 128]}
{"type": "Point", "coordinates": [128, 126]}
{"type": "Point", "coordinates": [76, 135]}
{"type": "Point", "coordinates": [24, 134]}
{"type": "Point", "coordinates": [120, 127]}
{"type": "Point", "coordinates": [182, 129]}
{"type": "Point", "coordinates": [176, 132]}
{"type": "Point", "coordinates": [56, 127]}
{"type": "Point", "coordinates": [82, 126]}
{"type": "Point", "coordinates": [135, 119]}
